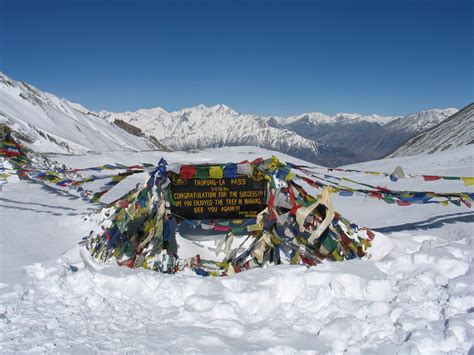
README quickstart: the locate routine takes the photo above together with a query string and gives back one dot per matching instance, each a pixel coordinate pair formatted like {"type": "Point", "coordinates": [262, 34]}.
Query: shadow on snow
{"type": "Point", "coordinates": [430, 223]}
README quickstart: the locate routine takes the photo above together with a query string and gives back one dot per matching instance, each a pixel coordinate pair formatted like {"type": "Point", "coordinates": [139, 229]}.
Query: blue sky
{"type": "Point", "coordinates": [263, 57]}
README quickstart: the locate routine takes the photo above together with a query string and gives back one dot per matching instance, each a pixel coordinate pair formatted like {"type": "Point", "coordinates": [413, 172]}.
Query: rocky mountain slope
{"type": "Point", "coordinates": [455, 131]}
{"type": "Point", "coordinates": [49, 124]}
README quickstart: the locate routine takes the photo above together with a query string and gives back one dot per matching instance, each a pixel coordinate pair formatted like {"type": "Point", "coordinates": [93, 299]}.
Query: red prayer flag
{"type": "Point", "coordinates": [187, 171]}
{"type": "Point", "coordinates": [293, 200]}
{"type": "Point", "coordinates": [134, 167]}
{"type": "Point", "coordinates": [431, 177]}
{"type": "Point", "coordinates": [257, 161]}
{"type": "Point", "coordinates": [370, 234]}
{"type": "Point", "coordinates": [307, 261]}
{"type": "Point", "coordinates": [122, 203]}
{"type": "Point", "coordinates": [467, 203]}
{"type": "Point", "coordinates": [376, 194]}
{"type": "Point", "coordinates": [222, 228]}
{"type": "Point", "coordinates": [271, 203]}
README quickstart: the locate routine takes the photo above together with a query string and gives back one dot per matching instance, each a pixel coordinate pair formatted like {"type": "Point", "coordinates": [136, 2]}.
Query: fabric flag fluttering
{"type": "Point", "coordinates": [397, 174]}
{"type": "Point", "coordinates": [295, 228]}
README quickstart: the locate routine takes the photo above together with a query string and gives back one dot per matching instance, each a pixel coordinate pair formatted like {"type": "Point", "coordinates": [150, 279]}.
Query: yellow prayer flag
{"type": "Point", "coordinates": [468, 181]}
{"type": "Point", "coordinates": [290, 176]}
{"type": "Point", "coordinates": [255, 227]}
{"type": "Point", "coordinates": [216, 172]}
{"type": "Point", "coordinates": [230, 270]}
{"type": "Point", "coordinates": [275, 160]}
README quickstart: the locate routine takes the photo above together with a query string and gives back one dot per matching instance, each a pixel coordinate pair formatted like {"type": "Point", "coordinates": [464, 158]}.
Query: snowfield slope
{"type": "Point", "coordinates": [418, 299]}
{"type": "Point", "coordinates": [456, 131]}
{"type": "Point", "coordinates": [49, 124]}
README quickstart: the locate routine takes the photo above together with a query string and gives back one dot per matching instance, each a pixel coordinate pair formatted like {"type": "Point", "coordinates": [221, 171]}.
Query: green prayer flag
{"type": "Point", "coordinates": [202, 172]}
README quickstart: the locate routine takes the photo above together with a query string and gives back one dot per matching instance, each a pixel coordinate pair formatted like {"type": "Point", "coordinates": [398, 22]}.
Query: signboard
{"type": "Point", "coordinates": [226, 198]}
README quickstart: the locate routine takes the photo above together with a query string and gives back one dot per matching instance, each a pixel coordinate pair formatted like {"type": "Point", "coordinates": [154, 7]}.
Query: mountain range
{"type": "Point", "coordinates": [50, 124]}
{"type": "Point", "coordinates": [316, 137]}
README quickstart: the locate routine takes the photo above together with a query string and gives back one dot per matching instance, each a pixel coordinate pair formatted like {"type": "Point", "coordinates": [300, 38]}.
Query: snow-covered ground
{"type": "Point", "coordinates": [418, 299]}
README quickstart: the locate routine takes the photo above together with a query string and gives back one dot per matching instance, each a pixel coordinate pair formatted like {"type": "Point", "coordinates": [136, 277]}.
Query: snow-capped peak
{"type": "Point", "coordinates": [422, 120]}
{"type": "Point", "coordinates": [321, 118]}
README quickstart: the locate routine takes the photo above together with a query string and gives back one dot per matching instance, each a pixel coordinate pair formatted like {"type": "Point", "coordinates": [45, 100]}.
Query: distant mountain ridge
{"type": "Point", "coordinates": [203, 127]}
{"type": "Point", "coordinates": [50, 124]}
{"type": "Point", "coordinates": [328, 140]}
{"type": "Point", "coordinates": [367, 137]}
{"type": "Point", "coordinates": [455, 131]}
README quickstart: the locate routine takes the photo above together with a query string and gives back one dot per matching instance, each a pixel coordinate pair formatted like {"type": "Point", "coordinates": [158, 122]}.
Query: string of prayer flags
{"type": "Point", "coordinates": [117, 166]}
{"type": "Point", "coordinates": [396, 174]}
{"type": "Point", "coordinates": [10, 149]}
{"type": "Point", "coordinates": [402, 198]}
{"type": "Point", "coordinates": [271, 169]}
{"type": "Point", "coordinates": [137, 231]}
{"type": "Point", "coordinates": [293, 228]}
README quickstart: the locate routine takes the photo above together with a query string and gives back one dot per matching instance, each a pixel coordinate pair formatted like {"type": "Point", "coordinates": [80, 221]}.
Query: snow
{"type": "Point", "coordinates": [59, 126]}
{"type": "Point", "coordinates": [50, 124]}
{"type": "Point", "coordinates": [203, 127]}
{"type": "Point", "coordinates": [320, 118]}
{"type": "Point", "coordinates": [324, 139]}
{"type": "Point", "coordinates": [422, 120]}
{"type": "Point", "coordinates": [418, 299]}
{"type": "Point", "coordinates": [457, 131]}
